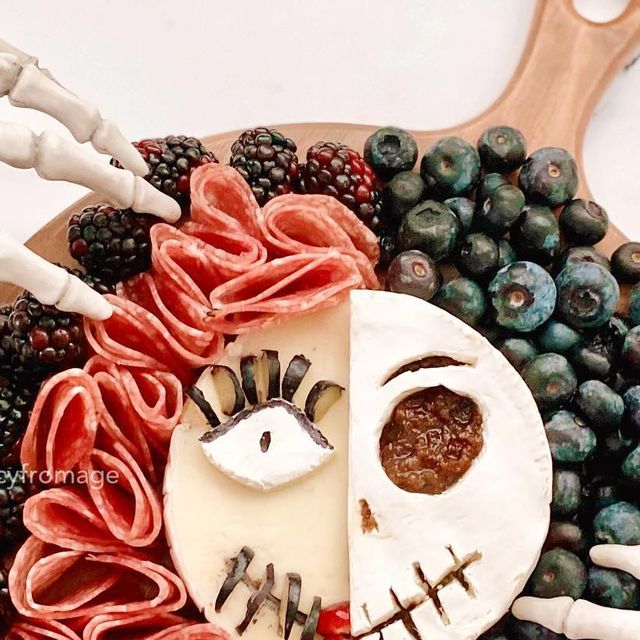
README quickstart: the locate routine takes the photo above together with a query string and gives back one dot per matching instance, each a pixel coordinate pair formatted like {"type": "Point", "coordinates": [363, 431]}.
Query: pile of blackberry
{"type": "Point", "coordinates": [267, 161]}
{"type": "Point", "coordinates": [496, 236]}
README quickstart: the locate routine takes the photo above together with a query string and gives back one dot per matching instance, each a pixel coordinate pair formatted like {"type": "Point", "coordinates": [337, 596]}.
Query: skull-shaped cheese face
{"type": "Point", "coordinates": [443, 538]}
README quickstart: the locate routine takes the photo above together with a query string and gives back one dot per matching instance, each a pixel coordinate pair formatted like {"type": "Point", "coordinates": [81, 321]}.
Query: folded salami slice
{"type": "Point", "coordinates": [198, 257]}
{"type": "Point", "coordinates": [294, 224]}
{"type": "Point", "coordinates": [63, 423]}
{"type": "Point", "coordinates": [68, 517]}
{"type": "Point", "coordinates": [283, 287]}
{"type": "Point", "coordinates": [150, 626]}
{"type": "Point", "coordinates": [222, 200]}
{"type": "Point", "coordinates": [182, 315]}
{"type": "Point", "coordinates": [135, 337]}
{"type": "Point", "coordinates": [53, 584]}
{"type": "Point", "coordinates": [154, 396]}
{"type": "Point", "coordinates": [128, 504]}
{"type": "Point", "coordinates": [27, 629]}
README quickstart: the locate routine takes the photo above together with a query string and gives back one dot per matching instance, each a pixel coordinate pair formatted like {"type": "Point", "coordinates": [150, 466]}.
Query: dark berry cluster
{"type": "Point", "coordinates": [337, 170]}
{"type": "Point", "coordinates": [498, 238]}
{"type": "Point", "coordinates": [111, 244]}
{"type": "Point", "coordinates": [171, 161]}
{"type": "Point", "coordinates": [267, 161]}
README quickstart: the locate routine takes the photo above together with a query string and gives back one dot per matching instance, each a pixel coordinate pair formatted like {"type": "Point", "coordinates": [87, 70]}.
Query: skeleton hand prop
{"type": "Point", "coordinates": [28, 86]}
{"type": "Point", "coordinates": [48, 283]}
{"type": "Point", "coordinates": [53, 158]}
{"type": "Point", "coordinates": [581, 620]}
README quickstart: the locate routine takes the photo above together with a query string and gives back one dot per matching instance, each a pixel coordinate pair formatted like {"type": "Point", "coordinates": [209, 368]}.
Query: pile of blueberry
{"type": "Point", "coordinates": [495, 236]}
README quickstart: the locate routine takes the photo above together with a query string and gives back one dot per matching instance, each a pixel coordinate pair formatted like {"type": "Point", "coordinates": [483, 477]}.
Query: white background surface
{"type": "Point", "coordinates": [202, 67]}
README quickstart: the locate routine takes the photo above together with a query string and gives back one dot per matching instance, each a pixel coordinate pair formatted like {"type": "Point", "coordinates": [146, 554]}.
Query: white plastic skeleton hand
{"type": "Point", "coordinates": [54, 158]}
{"type": "Point", "coordinates": [582, 620]}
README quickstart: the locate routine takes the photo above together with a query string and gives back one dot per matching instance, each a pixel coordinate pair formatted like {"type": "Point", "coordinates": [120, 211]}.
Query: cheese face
{"type": "Point", "coordinates": [478, 541]}
{"type": "Point", "coordinates": [267, 448]}
{"type": "Point", "coordinates": [300, 527]}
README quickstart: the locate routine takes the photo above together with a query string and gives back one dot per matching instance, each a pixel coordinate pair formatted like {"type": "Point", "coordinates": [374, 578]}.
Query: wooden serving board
{"type": "Point", "coordinates": [567, 64]}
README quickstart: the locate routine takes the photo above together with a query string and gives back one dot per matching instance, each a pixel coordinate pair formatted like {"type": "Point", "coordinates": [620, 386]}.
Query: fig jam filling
{"type": "Point", "coordinates": [431, 439]}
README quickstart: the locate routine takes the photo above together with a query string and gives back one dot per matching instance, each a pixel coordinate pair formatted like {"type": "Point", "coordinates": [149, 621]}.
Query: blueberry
{"type": "Point", "coordinates": [599, 404]}
{"type": "Point", "coordinates": [559, 573]}
{"type": "Point", "coordinates": [500, 210]}
{"type": "Point", "coordinates": [557, 337]}
{"type": "Point", "coordinates": [463, 298]}
{"type": "Point", "coordinates": [593, 357]}
{"type": "Point", "coordinates": [634, 305]}
{"type": "Point", "coordinates": [451, 167]}
{"type": "Point", "coordinates": [488, 185]}
{"type": "Point", "coordinates": [477, 256]}
{"type": "Point", "coordinates": [518, 352]}
{"type": "Point", "coordinates": [625, 262]}
{"type": "Point", "coordinates": [403, 192]}
{"type": "Point", "coordinates": [390, 150]}
{"type": "Point", "coordinates": [521, 630]}
{"type": "Point", "coordinates": [464, 208]}
{"type": "Point", "coordinates": [566, 535]}
{"type": "Point", "coordinates": [551, 380]}
{"type": "Point", "coordinates": [618, 523]}
{"type": "Point", "coordinates": [587, 295]}
{"type": "Point", "coordinates": [549, 176]}
{"type": "Point", "coordinates": [536, 234]}
{"type": "Point", "coordinates": [584, 222]}
{"type": "Point", "coordinates": [570, 439]}
{"type": "Point", "coordinates": [506, 253]}
{"type": "Point", "coordinates": [613, 589]}
{"type": "Point", "coordinates": [581, 254]}
{"type": "Point", "coordinates": [431, 228]}
{"type": "Point", "coordinates": [631, 400]}
{"type": "Point", "coordinates": [567, 491]}
{"type": "Point", "coordinates": [631, 349]}
{"type": "Point", "coordinates": [523, 296]}
{"type": "Point", "coordinates": [502, 149]}
{"type": "Point", "coordinates": [414, 273]}
{"type": "Point", "coordinates": [631, 466]}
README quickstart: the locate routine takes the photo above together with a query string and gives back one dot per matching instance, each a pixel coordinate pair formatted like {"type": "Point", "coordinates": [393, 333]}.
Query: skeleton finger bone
{"type": "Point", "coordinates": [582, 620]}
{"type": "Point", "coordinates": [47, 282]}
{"type": "Point", "coordinates": [54, 158]}
{"type": "Point", "coordinates": [30, 87]}
{"type": "Point", "coordinates": [618, 556]}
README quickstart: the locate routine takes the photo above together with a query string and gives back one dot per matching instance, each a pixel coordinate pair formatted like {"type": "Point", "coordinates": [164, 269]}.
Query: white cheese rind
{"type": "Point", "coordinates": [300, 527]}
{"type": "Point", "coordinates": [291, 454]}
{"type": "Point", "coordinates": [499, 508]}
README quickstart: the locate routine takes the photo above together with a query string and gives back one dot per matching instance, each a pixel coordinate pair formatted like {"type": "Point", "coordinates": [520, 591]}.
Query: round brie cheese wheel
{"type": "Point", "coordinates": [299, 527]}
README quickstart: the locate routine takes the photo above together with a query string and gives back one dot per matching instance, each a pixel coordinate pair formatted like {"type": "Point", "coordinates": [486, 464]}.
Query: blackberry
{"type": "Point", "coordinates": [339, 171]}
{"type": "Point", "coordinates": [14, 491]}
{"type": "Point", "coordinates": [171, 161]}
{"type": "Point", "coordinates": [267, 161]}
{"type": "Point", "coordinates": [113, 244]}
{"type": "Point", "coordinates": [44, 338]}
{"type": "Point", "coordinates": [16, 402]}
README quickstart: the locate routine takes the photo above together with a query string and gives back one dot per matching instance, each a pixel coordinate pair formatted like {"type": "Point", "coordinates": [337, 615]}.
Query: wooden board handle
{"type": "Point", "coordinates": [567, 64]}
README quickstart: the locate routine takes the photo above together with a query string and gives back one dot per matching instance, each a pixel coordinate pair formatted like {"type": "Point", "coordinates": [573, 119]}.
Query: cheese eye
{"type": "Point", "coordinates": [265, 440]}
